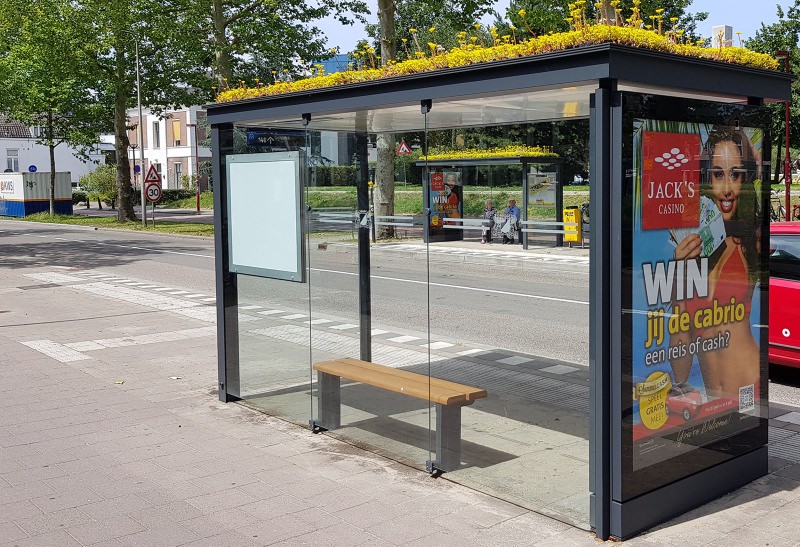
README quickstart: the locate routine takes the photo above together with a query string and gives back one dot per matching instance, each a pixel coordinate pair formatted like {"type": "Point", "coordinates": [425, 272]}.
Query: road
{"type": "Point", "coordinates": [523, 302]}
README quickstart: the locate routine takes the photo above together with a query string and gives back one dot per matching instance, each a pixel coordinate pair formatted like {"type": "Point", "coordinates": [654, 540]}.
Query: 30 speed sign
{"type": "Point", "coordinates": [153, 192]}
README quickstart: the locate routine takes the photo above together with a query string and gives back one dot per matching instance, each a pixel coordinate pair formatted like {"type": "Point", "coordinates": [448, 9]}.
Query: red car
{"type": "Point", "coordinates": [784, 294]}
{"type": "Point", "coordinates": [684, 400]}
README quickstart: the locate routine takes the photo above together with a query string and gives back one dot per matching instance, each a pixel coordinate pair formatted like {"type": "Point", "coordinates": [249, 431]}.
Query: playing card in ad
{"type": "Point", "coordinates": [671, 180]}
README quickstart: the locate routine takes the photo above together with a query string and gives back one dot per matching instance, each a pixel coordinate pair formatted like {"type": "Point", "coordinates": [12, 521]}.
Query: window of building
{"type": "Point", "coordinates": [156, 135]}
{"type": "Point", "coordinates": [36, 131]}
{"type": "Point", "coordinates": [176, 132]}
{"type": "Point", "coordinates": [12, 160]}
{"type": "Point", "coordinates": [178, 174]}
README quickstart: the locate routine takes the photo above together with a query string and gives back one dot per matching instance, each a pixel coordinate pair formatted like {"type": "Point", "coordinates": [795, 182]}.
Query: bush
{"type": "Point", "coordinates": [335, 175]}
{"type": "Point", "coordinates": [79, 196]}
{"type": "Point", "coordinates": [173, 194]}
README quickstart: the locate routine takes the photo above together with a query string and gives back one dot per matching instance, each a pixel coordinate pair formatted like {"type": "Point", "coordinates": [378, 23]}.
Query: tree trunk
{"type": "Point", "coordinates": [607, 13]}
{"type": "Point", "coordinates": [121, 142]}
{"type": "Point", "coordinates": [222, 69]}
{"type": "Point", "coordinates": [384, 168]}
{"type": "Point", "coordinates": [384, 181]}
{"type": "Point", "coordinates": [52, 149]}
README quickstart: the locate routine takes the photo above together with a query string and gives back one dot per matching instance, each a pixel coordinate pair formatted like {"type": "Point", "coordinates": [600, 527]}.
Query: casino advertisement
{"type": "Point", "coordinates": [446, 200]}
{"type": "Point", "coordinates": [696, 358]}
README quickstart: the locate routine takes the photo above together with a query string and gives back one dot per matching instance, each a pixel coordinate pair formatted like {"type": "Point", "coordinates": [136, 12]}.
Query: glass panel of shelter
{"type": "Point", "coordinates": [510, 330]}
{"type": "Point", "coordinates": [371, 358]}
{"type": "Point", "coordinates": [495, 336]}
{"type": "Point", "coordinates": [273, 313]}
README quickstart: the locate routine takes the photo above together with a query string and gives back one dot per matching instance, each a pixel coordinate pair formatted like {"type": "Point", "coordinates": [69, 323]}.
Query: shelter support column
{"type": "Point", "coordinates": [227, 312]}
{"type": "Point", "coordinates": [601, 310]}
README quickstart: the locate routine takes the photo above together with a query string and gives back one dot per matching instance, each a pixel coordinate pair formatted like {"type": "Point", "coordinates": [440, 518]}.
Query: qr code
{"type": "Point", "coordinates": [747, 398]}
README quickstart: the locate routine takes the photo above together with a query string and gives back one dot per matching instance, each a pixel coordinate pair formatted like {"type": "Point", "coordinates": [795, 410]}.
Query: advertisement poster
{"type": "Point", "coordinates": [542, 189]}
{"type": "Point", "coordinates": [696, 271]}
{"type": "Point", "coordinates": [446, 200]}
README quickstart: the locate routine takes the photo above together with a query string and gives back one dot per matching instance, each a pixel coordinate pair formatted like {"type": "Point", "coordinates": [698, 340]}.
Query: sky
{"type": "Point", "coordinates": [744, 16]}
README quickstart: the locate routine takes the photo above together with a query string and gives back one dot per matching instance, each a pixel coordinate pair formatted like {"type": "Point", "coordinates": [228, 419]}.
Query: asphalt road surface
{"type": "Point", "coordinates": [494, 298]}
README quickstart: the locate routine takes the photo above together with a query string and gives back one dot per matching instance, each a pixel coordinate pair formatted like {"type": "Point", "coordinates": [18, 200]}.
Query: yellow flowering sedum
{"type": "Point", "coordinates": [505, 152]}
{"type": "Point", "coordinates": [472, 53]}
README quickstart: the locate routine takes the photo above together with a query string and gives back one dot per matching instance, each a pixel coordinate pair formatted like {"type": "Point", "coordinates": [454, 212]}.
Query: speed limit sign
{"type": "Point", "coordinates": [153, 192]}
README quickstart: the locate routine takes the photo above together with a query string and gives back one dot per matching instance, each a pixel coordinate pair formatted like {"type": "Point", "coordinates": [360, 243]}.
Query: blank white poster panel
{"type": "Point", "coordinates": [265, 218]}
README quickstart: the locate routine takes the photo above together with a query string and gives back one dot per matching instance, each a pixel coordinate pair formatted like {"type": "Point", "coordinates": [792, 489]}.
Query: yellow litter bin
{"type": "Point", "coordinates": [572, 215]}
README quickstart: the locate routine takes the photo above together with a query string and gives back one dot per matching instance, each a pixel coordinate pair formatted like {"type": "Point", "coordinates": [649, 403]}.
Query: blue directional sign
{"type": "Point", "coordinates": [137, 169]}
{"type": "Point", "coordinates": [31, 169]}
{"type": "Point", "coordinates": [283, 139]}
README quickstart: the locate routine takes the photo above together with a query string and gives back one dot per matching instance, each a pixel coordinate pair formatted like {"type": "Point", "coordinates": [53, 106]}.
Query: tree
{"type": "Point", "coordinates": [101, 184]}
{"type": "Point", "coordinates": [543, 16]}
{"type": "Point", "coordinates": [782, 35]}
{"type": "Point", "coordinates": [265, 39]}
{"type": "Point", "coordinates": [171, 75]}
{"type": "Point", "coordinates": [45, 83]}
{"type": "Point", "coordinates": [393, 33]}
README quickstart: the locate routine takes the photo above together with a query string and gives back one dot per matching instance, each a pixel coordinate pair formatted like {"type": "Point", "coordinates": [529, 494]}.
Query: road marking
{"type": "Point", "coordinates": [136, 247]}
{"type": "Point", "coordinates": [437, 345]}
{"type": "Point", "coordinates": [558, 369]}
{"type": "Point", "coordinates": [473, 351]}
{"type": "Point", "coordinates": [345, 326]}
{"type": "Point", "coordinates": [403, 339]}
{"type": "Point", "coordinates": [53, 277]}
{"type": "Point", "coordinates": [476, 289]}
{"type": "Point", "coordinates": [295, 316]}
{"type": "Point", "coordinates": [271, 312]}
{"type": "Point", "coordinates": [250, 307]}
{"type": "Point", "coordinates": [317, 321]}
{"type": "Point", "coordinates": [198, 295]}
{"type": "Point", "coordinates": [514, 360]}
{"type": "Point", "coordinates": [57, 351]}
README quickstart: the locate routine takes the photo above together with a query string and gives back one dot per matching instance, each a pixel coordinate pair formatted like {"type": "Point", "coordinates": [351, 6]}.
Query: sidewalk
{"type": "Point", "coordinates": [111, 433]}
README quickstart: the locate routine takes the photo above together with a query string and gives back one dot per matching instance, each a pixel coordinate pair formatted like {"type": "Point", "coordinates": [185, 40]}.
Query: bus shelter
{"type": "Point", "coordinates": [611, 397]}
{"type": "Point", "coordinates": [541, 199]}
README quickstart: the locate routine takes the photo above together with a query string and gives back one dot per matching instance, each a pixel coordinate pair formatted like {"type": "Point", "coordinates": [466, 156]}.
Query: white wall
{"type": "Point", "coordinates": [31, 153]}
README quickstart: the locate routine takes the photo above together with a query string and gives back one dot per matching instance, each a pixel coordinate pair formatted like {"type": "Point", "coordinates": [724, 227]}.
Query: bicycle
{"type": "Point", "coordinates": [777, 211]}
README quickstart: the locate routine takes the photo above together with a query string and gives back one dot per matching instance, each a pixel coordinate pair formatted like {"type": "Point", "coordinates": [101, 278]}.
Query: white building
{"type": "Point", "coordinates": [171, 144]}
{"type": "Point", "coordinates": [19, 152]}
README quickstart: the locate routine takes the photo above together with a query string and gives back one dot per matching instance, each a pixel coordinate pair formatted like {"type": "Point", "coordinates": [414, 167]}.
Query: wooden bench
{"type": "Point", "coordinates": [448, 396]}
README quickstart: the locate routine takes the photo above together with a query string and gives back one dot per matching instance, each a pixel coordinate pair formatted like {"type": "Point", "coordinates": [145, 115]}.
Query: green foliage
{"type": "Point", "coordinates": [435, 21]}
{"type": "Point", "coordinates": [79, 196]}
{"type": "Point", "coordinates": [206, 202]}
{"type": "Point", "coordinates": [544, 16]}
{"type": "Point", "coordinates": [162, 226]}
{"type": "Point", "coordinates": [101, 183]}
{"type": "Point", "coordinates": [335, 175]}
{"type": "Point", "coordinates": [782, 35]}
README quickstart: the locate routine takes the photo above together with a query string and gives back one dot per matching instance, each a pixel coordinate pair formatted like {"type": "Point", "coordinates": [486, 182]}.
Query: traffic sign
{"type": "Point", "coordinates": [31, 169]}
{"type": "Point", "coordinates": [403, 149]}
{"type": "Point", "coordinates": [153, 192]}
{"type": "Point", "coordinates": [152, 176]}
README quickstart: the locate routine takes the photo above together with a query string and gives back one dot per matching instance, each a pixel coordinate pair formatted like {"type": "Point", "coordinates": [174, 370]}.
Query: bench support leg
{"type": "Point", "coordinates": [329, 402]}
{"type": "Point", "coordinates": [448, 437]}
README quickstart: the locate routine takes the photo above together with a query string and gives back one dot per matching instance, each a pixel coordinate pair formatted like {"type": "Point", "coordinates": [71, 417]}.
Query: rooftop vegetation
{"type": "Point", "coordinates": [647, 32]}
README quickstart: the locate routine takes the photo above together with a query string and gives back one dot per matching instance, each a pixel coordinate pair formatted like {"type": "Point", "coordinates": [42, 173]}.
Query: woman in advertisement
{"type": "Point", "coordinates": [730, 167]}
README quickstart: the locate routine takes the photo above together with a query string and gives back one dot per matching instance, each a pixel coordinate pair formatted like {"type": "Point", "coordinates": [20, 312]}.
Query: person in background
{"type": "Point", "coordinates": [488, 221]}
{"type": "Point", "coordinates": [513, 212]}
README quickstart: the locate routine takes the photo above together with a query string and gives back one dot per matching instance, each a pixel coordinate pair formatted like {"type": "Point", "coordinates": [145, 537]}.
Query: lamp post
{"type": "Point", "coordinates": [141, 135]}
{"type": "Point", "coordinates": [787, 161]}
{"type": "Point", "coordinates": [196, 166]}
{"type": "Point", "coordinates": [134, 146]}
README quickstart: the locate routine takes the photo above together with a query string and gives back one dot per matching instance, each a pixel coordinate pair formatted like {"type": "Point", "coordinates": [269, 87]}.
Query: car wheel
{"type": "Point", "coordinates": [686, 414]}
